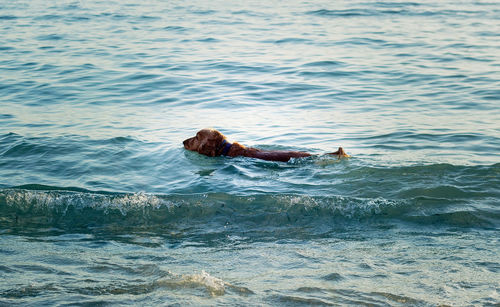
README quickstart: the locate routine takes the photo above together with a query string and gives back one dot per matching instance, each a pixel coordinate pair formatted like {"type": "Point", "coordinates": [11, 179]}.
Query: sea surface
{"type": "Point", "coordinates": [100, 204]}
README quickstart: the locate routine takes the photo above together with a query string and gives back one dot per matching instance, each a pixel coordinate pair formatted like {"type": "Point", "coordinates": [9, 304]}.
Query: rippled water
{"type": "Point", "coordinates": [101, 205]}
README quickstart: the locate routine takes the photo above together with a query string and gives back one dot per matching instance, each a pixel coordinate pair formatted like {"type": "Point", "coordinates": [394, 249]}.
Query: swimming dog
{"type": "Point", "coordinates": [212, 143]}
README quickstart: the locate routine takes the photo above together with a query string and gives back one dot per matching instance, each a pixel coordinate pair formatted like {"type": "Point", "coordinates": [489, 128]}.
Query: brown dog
{"type": "Point", "coordinates": [212, 143]}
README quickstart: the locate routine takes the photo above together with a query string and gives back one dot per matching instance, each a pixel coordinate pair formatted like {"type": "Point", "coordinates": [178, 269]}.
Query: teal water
{"type": "Point", "coordinates": [101, 205]}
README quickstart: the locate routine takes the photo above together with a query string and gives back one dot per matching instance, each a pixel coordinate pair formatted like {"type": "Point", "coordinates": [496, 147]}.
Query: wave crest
{"type": "Point", "coordinates": [217, 211]}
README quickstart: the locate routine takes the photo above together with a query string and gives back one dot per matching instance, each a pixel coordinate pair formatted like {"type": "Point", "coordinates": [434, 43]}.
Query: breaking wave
{"type": "Point", "coordinates": [69, 208]}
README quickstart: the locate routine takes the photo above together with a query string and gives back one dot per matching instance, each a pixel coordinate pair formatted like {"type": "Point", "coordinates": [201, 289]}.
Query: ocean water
{"type": "Point", "coordinates": [101, 205]}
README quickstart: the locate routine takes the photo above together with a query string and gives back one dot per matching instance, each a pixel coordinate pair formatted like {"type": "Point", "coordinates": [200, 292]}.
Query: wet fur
{"type": "Point", "coordinates": [208, 142]}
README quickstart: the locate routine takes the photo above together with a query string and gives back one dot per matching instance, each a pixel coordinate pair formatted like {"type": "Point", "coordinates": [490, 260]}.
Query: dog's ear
{"type": "Point", "coordinates": [209, 146]}
{"type": "Point", "coordinates": [206, 149]}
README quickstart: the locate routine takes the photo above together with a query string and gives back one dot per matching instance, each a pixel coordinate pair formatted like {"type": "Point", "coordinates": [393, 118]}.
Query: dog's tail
{"type": "Point", "coordinates": [340, 152]}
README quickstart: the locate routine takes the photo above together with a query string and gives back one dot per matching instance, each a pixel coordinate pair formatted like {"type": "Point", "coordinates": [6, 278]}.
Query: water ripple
{"type": "Point", "coordinates": [96, 98]}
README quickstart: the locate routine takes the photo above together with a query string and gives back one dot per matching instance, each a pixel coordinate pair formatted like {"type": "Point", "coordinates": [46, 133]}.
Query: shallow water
{"type": "Point", "coordinates": [101, 205]}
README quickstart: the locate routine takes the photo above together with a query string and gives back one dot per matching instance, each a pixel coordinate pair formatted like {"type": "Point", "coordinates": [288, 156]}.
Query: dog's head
{"type": "Point", "coordinates": [207, 142]}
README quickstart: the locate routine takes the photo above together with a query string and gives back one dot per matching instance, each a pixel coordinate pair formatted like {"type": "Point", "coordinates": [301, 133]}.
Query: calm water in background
{"type": "Point", "coordinates": [100, 204]}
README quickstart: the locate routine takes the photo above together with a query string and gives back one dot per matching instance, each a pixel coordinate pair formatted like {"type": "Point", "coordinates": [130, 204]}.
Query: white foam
{"type": "Point", "coordinates": [214, 286]}
{"type": "Point", "coordinates": [58, 201]}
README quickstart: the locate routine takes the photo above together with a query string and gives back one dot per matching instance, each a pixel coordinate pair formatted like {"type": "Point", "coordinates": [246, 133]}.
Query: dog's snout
{"type": "Point", "coordinates": [187, 143]}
